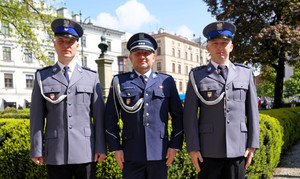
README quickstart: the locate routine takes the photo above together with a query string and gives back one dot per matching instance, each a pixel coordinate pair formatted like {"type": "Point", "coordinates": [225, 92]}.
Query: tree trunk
{"type": "Point", "coordinates": [279, 84]}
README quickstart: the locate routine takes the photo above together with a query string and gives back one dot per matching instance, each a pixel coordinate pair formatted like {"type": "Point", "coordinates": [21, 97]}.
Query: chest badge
{"type": "Point", "coordinates": [127, 101]}
{"type": "Point", "coordinates": [209, 94]}
{"type": "Point", "coordinates": [161, 87]}
{"type": "Point", "coordinates": [52, 96]}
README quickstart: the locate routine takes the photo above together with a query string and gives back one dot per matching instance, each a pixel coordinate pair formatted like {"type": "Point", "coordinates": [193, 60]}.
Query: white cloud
{"type": "Point", "coordinates": [185, 32]}
{"type": "Point", "coordinates": [131, 16]}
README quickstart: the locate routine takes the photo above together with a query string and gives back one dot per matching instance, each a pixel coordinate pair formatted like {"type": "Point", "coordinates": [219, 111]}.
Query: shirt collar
{"type": "Point", "coordinates": [216, 65]}
{"type": "Point", "coordinates": [147, 74]}
{"type": "Point", "coordinates": [71, 66]}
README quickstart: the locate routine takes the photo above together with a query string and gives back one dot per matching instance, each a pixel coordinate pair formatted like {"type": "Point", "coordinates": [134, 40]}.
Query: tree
{"type": "Point", "coordinates": [25, 19]}
{"type": "Point", "coordinates": [268, 33]}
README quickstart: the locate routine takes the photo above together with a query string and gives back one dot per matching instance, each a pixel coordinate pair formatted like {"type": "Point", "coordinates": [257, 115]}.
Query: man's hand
{"type": "Point", "coordinates": [249, 153]}
{"type": "Point", "coordinates": [38, 160]}
{"type": "Point", "coordinates": [170, 155]}
{"type": "Point", "coordinates": [195, 156]}
{"type": "Point", "coordinates": [119, 156]}
{"type": "Point", "coordinates": [99, 157]}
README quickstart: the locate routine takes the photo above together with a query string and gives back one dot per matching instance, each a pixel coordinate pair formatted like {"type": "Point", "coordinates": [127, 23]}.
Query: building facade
{"type": "Point", "coordinates": [17, 65]}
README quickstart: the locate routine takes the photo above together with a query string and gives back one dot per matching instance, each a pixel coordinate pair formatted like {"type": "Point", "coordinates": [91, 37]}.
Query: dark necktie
{"type": "Point", "coordinates": [223, 71]}
{"type": "Point", "coordinates": [143, 77]}
{"type": "Point", "coordinates": [66, 73]}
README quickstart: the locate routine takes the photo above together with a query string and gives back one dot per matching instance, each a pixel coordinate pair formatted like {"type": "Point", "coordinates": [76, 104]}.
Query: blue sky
{"type": "Point", "coordinates": [175, 16]}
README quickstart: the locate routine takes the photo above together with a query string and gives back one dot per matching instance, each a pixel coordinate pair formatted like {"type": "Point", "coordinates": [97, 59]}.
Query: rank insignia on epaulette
{"type": "Point", "coordinates": [52, 96]}
{"type": "Point", "coordinates": [209, 94]}
{"type": "Point", "coordinates": [131, 75]}
{"type": "Point", "coordinates": [127, 101]}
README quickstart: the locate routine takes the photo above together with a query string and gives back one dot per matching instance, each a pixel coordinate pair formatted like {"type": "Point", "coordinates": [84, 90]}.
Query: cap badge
{"type": "Point", "coordinates": [219, 26]}
{"type": "Point", "coordinates": [141, 36]}
{"type": "Point", "coordinates": [209, 94]}
{"type": "Point", "coordinates": [66, 24]}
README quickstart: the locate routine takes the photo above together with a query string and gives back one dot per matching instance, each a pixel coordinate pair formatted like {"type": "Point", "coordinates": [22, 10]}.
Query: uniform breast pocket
{"type": "Point", "coordinates": [210, 91]}
{"type": "Point", "coordinates": [239, 91]}
{"type": "Point", "coordinates": [161, 93]}
{"type": "Point", "coordinates": [52, 91]}
{"type": "Point", "coordinates": [84, 94]}
{"type": "Point", "coordinates": [129, 96]}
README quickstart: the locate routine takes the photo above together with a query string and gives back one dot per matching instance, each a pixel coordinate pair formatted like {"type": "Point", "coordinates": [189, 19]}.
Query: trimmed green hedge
{"type": "Point", "coordinates": [279, 130]}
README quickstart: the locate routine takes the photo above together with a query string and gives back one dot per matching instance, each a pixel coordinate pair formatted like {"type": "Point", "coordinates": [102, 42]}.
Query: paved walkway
{"type": "Point", "coordinates": [289, 166]}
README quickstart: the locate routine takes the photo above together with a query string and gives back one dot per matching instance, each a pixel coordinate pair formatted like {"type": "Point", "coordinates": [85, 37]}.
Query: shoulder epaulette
{"type": "Point", "coordinates": [241, 65]}
{"type": "Point", "coordinates": [40, 69]}
{"type": "Point", "coordinates": [198, 68]}
{"type": "Point", "coordinates": [87, 68]}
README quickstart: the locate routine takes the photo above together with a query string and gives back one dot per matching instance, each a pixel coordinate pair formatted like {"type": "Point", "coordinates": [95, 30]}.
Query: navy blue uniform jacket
{"type": "Point", "coordinates": [145, 133]}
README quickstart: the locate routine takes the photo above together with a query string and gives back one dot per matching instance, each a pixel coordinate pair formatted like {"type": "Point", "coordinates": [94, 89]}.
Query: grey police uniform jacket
{"type": "Point", "coordinates": [145, 132]}
{"type": "Point", "coordinates": [221, 130]}
{"type": "Point", "coordinates": [70, 135]}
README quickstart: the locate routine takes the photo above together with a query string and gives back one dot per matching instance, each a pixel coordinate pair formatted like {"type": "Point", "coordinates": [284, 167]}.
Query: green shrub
{"type": "Point", "coordinates": [15, 113]}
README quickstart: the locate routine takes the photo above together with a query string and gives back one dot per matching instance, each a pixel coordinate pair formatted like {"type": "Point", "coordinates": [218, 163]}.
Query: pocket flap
{"type": "Point", "coordinates": [209, 87]}
{"type": "Point", "coordinates": [128, 93]}
{"type": "Point", "coordinates": [52, 89]}
{"type": "Point", "coordinates": [87, 132]}
{"type": "Point", "coordinates": [84, 89]}
{"type": "Point", "coordinates": [51, 134]}
{"type": "Point", "coordinates": [243, 127]}
{"type": "Point", "coordinates": [240, 85]}
{"type": "Point", "coordinates": [161, 93]}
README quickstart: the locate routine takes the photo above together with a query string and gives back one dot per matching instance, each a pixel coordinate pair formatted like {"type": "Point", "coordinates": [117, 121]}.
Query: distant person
{"type": "Point", "coordinates": [219, 97]}
{"type": "Point", "coordinates": [264, 103]}
{"type": "Point", "coordinates": [145, 101]}
{"type": "Point", "coordinates": [67, 111]}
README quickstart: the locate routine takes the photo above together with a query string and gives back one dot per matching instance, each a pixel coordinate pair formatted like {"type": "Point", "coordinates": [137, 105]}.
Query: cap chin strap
{"type": "Point", "coordinates": [216, 101]}
{"type": "Point", "coordinates": [62, 97]}
{"type": "Point", "coordinates": [116, 91]}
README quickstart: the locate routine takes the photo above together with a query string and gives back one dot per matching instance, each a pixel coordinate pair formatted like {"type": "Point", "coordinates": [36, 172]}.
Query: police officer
{"type": "Point", "coordinates": [68, 96]}
{"type": "Point", "coordinates": [143, 99]}
{"type": "Point", "coordinates": [219, 136]}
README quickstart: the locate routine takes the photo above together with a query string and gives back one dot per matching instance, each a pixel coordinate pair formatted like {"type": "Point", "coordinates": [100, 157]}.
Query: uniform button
{"type": "Point", "coordinates": [228, 121]}
{"type": "Point", "coordinates": [147, 104]}
{"type": "Point", "coordinates": [227, 99]}
{"type": "Point", "coordinates": [163, 94]}
{"type": "Point", "coordinates": [70, 127]}
{"type": "Point", "coordinates": [70, 104]}
{"type": "Point", "coordinates": [227, 88]}
{"type": "Point", "coordinates": [52, 89]}
{"type": "Point", "coordinates": [84, 89]}
{"type": "Point", "coordinates": [69, 91]}
{"type": "Point", "coordinates": [227, 110]}
{"type": "Point", "coordinates": [70, 115]}
{"type": "Point", "coordinates": [146, 95]}
{"type": "Point", "coordinates": [147, 124]}
{"type": "Point", "coordinates": [128, 94]}
{"type": "Point", "coordinates": [147, 114]}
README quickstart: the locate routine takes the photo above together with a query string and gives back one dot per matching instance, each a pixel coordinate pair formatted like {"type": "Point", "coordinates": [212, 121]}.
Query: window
{"type": "Point", "coordinates": [109, 46]}
{"type": "Point", "coordinates": [29, 81]}
{"type": "Point", "coordinates": [6, 54]}
{"type": "Point", "coordinates": [179, 54]}
{"type": "Point", "coordinates": [186, 56]}
{"type": "Point", "coordinates": [28, 56]}
{"type": "Point", "coordinates": [51, 57]}
{"type": "Point", "coordinates": [173, 52]}
{"type": "Point", "coordinates": [5, 28]}
{"type": "Point", "coordinates": [186, 70]}
{"type": "Point", "coordinates": [121, 66]}
{"type": "Point", "coordinates": [159, 66]}
{"type": "Point", "coordinates": [197, 57]}
{"type": "Point", "coordinates": [8, 80]}
{"type": "Point", "coordinates": [179, 69]}
{"type": "Point", "coordinates": [158, 51]}
{"type": "Point", "coordinates": [191, 56]}
{"type": "Point", "coordinates": [180, 85]}
{"type": "Point", "coordinates": [83, 41]}
{"type": "Point", "coordinates": [173, 67]}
